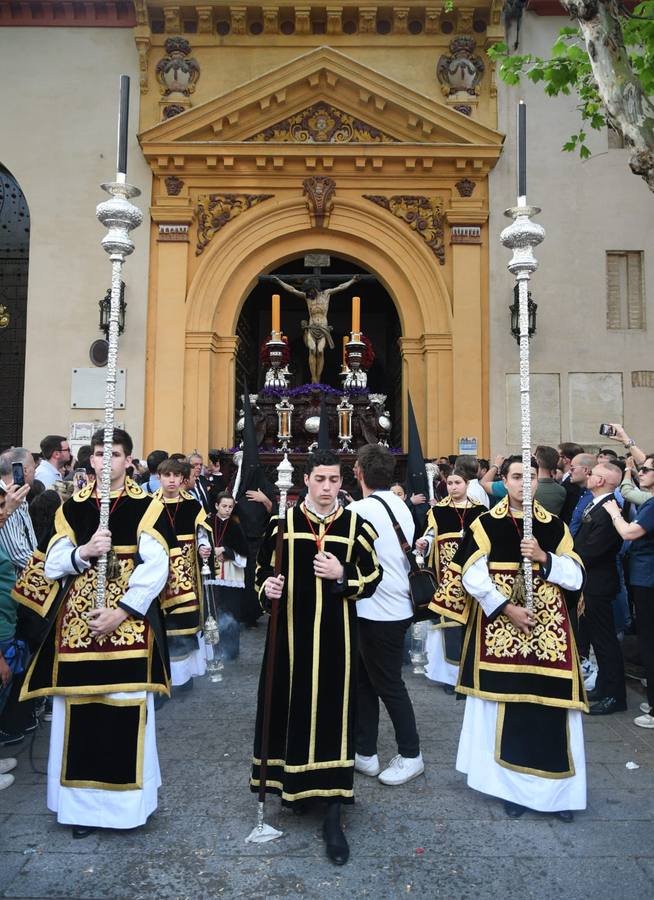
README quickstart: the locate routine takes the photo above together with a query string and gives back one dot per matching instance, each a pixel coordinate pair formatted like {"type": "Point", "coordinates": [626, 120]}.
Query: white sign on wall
{"type": "Point", "coordinates": [545, 395]}
{"type": "Point", "coordinates": [88, 388]}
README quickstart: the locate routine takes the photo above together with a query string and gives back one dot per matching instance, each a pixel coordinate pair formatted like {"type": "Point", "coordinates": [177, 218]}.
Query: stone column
{"type": "Point", "coordinates": [165, 388]}
{"type": "Point", "coordinates": [200, 397]}
{"type": "Point", "coordinates": [222, 412]}
{"type": "Point", "coordinates": [469, 382]}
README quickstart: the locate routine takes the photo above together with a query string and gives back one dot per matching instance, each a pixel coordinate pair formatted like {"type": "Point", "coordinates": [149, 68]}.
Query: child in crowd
{"type": "Point", "coordinates": [230, 559]}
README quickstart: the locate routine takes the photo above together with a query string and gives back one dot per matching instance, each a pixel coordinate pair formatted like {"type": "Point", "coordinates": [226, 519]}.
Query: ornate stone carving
{"type": "Point", "coordinates": [172, 109]}
{"type": "Point", "coordinates": [334, 20]}
{"type": "Point", "coordinates": [323, 123]}
{"type": "Point", "coordinates": [177, 72]}
{"type": "Point", "coordinates": [237, 19]}
{"type": "Point", "coordinates": [143, 47]}
{"type": "Point", "coordinates": [462, 70]}
{"type": "Point", "coordinates": [400, 19]}
{"type": "Point", "coordinates": [432, 19]}
{"type": "Point", "coordinates": [270, 19]}
{"type": "Point", "coordinates": [368, 19]}
{"type": "Point", "coordinates": [5, 317]}
{"type": "Point", "coordinates": [464, 108]}
{"type": "Point", "coordinates": [319, 191]}
{"type": "Point", "coordinates": [423, 214]}
{"type": "Point", "coordinates": [465, 187]}
{"type": "Point", "coordinates": [465, 234]}
{"type": "Point", "coordinates": [465, 19]}
{"type": "Point", "coordinates": [205, 19]}
{"type": "Point", "coordinates": [303, 20]}
{"type": "Point", "coordinates": [216, 210]}
{"type": "Point", "coordinates": [174, 185]}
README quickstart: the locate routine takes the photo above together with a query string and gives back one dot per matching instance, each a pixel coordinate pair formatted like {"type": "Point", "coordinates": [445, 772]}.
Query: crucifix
{"type": "Point", "coordinates": [317, 331]}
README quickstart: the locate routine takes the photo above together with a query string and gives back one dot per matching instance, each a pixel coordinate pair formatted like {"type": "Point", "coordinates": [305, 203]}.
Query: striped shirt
{"type": "Point", "coordinates": [17, 536]}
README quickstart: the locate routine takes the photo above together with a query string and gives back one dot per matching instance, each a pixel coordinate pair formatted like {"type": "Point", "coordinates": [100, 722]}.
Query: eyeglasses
{"type": "Point", "coordinates": [646, 469]}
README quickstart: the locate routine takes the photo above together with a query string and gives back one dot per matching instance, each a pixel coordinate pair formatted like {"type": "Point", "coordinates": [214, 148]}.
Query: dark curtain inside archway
{"type": "Point", "coordinates": [14, 256]}
{"type": "Point", "coordinates": [379, 322]}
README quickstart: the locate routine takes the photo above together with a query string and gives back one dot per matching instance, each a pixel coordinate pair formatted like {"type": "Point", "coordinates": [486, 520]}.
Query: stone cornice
{"type": "Point", "coordinates": [203, 340]}
{"type": "Point", "coordinates": [290, 159]}
{"type": "Point", "coordinates": [53, 14]}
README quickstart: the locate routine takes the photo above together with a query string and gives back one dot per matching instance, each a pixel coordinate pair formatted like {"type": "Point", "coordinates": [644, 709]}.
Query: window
{"type": "Point", "coordinates": [625, 294]}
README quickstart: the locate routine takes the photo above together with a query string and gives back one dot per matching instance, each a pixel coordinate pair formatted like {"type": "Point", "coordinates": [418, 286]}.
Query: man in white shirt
{"type": "Point", "coordinates": [17, 536]}
{"type": "Point", "coordinates": [383, 620]}
{"type": "Point", "coordinates": [56, 455]}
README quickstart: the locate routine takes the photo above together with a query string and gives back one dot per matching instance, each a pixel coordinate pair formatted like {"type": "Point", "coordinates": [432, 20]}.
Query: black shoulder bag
{"type": "Point", "coordinates": [422, 583]}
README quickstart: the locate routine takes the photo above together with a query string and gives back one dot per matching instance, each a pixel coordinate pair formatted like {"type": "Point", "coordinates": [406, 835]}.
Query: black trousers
{"type": "Point", "coordinates": [381, 647]}
{"type": "Point", "coordinates": [601, 631]}
{"type": "Point", "coordinates": [644, 607]}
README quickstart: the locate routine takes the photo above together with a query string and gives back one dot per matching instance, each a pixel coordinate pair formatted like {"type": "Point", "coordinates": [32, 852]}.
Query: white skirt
{"type": "Point", "coordinates": [95, 807]}
{"type": "Point", "coordinates": [191, 666]}
{"type": "Point", "coordinates": [438, 668]}
{"type": "Point", "coordinates": [476, 759]}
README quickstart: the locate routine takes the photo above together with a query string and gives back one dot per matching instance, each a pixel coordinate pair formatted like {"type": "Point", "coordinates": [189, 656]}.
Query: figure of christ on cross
{"type": "Point", "coordinates": [317, 331]}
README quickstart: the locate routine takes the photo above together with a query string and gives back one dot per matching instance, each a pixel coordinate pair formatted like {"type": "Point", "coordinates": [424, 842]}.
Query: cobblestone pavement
{"type": "Point", "coordinates": [431, 838]}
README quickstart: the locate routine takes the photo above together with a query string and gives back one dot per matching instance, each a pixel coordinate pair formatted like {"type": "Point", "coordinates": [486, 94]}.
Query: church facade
{"type": "Point", "coordinates": [376, 136]}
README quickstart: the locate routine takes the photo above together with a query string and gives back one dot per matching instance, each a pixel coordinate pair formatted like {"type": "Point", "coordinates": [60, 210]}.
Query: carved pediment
{"type": "Point", "coordinates": [365, 106]}
{"type": "Point", "coordinates": [323, 123]}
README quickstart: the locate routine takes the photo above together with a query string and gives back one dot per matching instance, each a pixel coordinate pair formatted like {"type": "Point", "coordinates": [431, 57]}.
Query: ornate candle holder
{"type": "Point", "coordinates": [284, 410]}
{"type": "Point", "coordinates": [276, 375]}
{"type": "Point", "coordinates": [354, 376]}
{"type": "Point", "coordinates": [432, 471]}
{"type": "Point", "coordinates": [344, 411]}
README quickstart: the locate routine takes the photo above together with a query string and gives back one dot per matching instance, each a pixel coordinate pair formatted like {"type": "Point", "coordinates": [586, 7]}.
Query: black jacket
{"type": "Point", "coordinates": [572, 495]}
{"type": "Point", "coordinates": [597, 543]}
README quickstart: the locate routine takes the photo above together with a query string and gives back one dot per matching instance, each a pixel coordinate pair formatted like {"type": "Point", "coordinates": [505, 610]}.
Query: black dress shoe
{"type": "Point", "coordinates": [336, 845]}
{"type": "Point", "coordinates": [606, 706]}
{"type": "Point", "coordinates": [82, 831]}
{"type": "Point", "coordinates": [565, 815]}
{"type": "Point", "coordinates": [513, 810]}
{"type": "Point", "coordinates": [449, 689]}
{"type": "Point", "coordinates": [594, 695]}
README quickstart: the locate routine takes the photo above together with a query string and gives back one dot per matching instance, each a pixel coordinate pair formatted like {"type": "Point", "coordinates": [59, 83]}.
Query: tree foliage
{"type": "Point", "coordinates": [623, 42]}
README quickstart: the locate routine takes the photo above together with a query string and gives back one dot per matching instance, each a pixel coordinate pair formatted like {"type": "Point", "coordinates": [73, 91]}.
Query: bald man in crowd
{"type": "Point", "coordinates": [597, 543]}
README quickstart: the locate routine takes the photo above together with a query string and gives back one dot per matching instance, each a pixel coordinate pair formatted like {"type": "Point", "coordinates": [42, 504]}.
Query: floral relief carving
{"type": "Point", "coordinates": [319, 191]}
{"type": "Point", "coordinates": [424, 215]}
{"type": "Point", "coordinates": [324, 124]}
{"type": "Point", "coordinates": [214, 211]}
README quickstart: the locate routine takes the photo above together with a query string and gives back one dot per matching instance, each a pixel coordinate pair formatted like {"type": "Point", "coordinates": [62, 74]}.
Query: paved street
{"type": "Point", "coordinates": [431, 838]}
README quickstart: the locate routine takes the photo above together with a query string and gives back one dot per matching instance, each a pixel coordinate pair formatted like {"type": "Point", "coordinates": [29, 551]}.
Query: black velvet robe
{"type": "Point", "coordinates": [311, 734]}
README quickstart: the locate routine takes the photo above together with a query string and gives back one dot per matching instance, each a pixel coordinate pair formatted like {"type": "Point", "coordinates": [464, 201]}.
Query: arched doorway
{"type": "Point", "coordinates": [379, 321]}
{"type": "Point", "coordinates": [14, 261]}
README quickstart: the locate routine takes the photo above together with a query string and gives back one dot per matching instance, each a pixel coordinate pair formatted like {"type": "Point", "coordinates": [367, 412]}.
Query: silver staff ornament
{"type": "Point", "coordinates": [215, 665]}
{"type": "Point", "coordinates": [262, 833]}
{"type": "Point", "coordinates": [120, 217]}
{"type": "Point", "coordinates": [521, 236]}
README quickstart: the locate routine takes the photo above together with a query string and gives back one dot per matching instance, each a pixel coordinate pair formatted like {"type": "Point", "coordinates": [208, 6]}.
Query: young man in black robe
{"type": "Point", "coordinates": [328, 562]}
{"type": "Point", "coordinates": [103, 665]}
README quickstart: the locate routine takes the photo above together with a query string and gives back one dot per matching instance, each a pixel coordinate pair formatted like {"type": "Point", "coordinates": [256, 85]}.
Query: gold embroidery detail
{"type": "Point", "coordinates": [547, 641]}
{"type": "Point", "coordinates": [74, 632]}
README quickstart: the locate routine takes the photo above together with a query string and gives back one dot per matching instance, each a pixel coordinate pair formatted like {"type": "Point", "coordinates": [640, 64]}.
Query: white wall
{"type": "Point", "coordinates": [59, 140]}
{"type": "Point", "coordinates": [587, 208]}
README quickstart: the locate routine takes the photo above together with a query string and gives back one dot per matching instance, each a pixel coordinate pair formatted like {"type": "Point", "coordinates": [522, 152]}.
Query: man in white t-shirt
{"type": "Point", "coordinates": [383, 620]}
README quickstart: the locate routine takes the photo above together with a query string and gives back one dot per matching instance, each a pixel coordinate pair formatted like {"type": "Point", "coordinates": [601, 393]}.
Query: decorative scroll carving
{"type": "Point", "coordinates": [464, 108]}
{"type": "Point", "coordinates": [174, 185]}
{"type": "Point", "coordinates": [177, 72]}
{"type": "Point", "coordinates": [462, 70]}
{"type": "Point", "coordinates": [465, 187]}
{"type": "Point", "coordinates": [423, 214]}
{"type": "Point", "coordinates": [237, 19]}
{"type": "Point", "coordinates": [319, 191]}
{"type": "Point", "coordinates": [323, 123]}
{"type": "Point", "coordinates": [5, 317]}
{"type": "Point", "coordinates": [216, 210]}
{"type": "Point", "coordinates": [465, 19]}
{"type": "Point", "coordinates": [368, 19]}
{"type": "Point", "coordinates": [172, 109]}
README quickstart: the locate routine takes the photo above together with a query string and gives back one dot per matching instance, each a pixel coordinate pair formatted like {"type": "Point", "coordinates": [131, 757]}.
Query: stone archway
{"type": "Point", "coordinates": [256, 243]}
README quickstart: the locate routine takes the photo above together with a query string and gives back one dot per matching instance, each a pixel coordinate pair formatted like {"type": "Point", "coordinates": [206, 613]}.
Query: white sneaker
{"type": "Point", "coordinates": [7, 781]}
{"type": "Point", "coordinates": [6, 765]}
{"type": "Point", "coordinates": [402, 769]}
{"type": "Point", "coordinates": [367, 765]}
{"type": "Point", "coordinates": [644, 708]}
{"type": "Point", "coordinates": [645, 721]}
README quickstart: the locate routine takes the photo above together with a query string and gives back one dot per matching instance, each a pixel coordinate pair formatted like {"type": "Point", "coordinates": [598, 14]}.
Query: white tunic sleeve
{"type": "Point", "coordinates": [148, 579]}
{"type": "Point", "coordinates": [63, 559]}
{"type": "Point", "coordinates": [566, 572]}
{"type": "Point", "coordinates": [478, 583]}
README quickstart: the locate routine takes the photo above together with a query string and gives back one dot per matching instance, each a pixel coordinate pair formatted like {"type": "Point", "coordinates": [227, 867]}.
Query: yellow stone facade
{"type": "Point", "coordinates": [408, 174]}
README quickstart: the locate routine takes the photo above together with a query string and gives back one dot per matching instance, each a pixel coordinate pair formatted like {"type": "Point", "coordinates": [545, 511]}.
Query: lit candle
{"type": "Point", "coordinates": [345, 342]}
{"type": "Point", "coordinates": [522, 153]}
{"type": "Point", "coordinates": [123, 116]}
{"type": "Point", "coordinates": [276, 313]}
{"type": "Point", "coordinates": [356, 315]}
